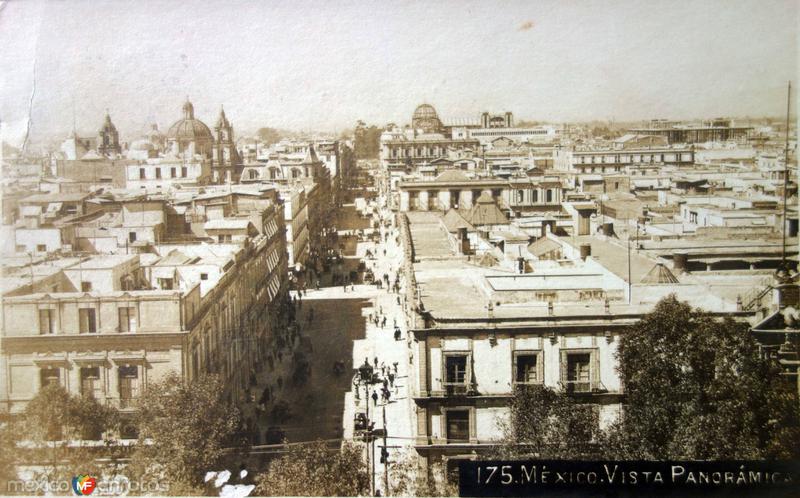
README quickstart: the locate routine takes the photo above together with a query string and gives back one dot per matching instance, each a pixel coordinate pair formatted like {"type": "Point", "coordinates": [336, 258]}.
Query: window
{"type": "Point", "coordinates": [128, 385]}
{"type": "Point", "coordinates": [172, 172]}
{"type": "Point", "coordinates": [86, 286]}
{"type": "Point", "coordinates": [41, 248]}
{"type": "Point", "coordinates": [165, 283]}
{"type": "Point", "coordinates": [535, 196]}
{"type": "Point", "coordinates": [158, 172]}
{"type": "Point", "coordinates": [520, 196]}
{"type": "Point", "coordinates": [46, 321]}
{"type": "Point", "coordinates": [204, 276]}
{"type": "Point", "coordinates": [549, 195]}
{"type": "Point", "coordinates": [578, 374]}
{"type": "Point", "coordinates": [131, 236]}
{"type": "Point", "coordinates": [223, 238]}
{"type": "Point", "coordinates": [48, 376]}
{"type": "Point", "coordinates": [87, 321]}
{"type": "Point", "coordinates": [526, 367]}
{"type": "Point", "coordinates": [127, 319]}
{"type": "Point", "coordinates": [90, 382]}
{"type": "Point", "coordinates": [142, 176]}
{"type": "Point", "coordinates": [456, 373]}
{"type": "Point", "coordinates": [457, 426]}
{"type": "Point", "coordinates": [184, 172]}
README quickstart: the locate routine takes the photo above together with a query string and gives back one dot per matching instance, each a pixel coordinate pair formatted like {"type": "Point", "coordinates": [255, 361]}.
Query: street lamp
{"type": "Point", "coordinates": [365, 375]}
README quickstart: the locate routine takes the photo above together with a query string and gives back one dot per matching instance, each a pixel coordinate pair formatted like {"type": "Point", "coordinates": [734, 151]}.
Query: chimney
{"type": "Point", "coordinates": [463, 241]}
{"type": "Point", "coordinates": [680, 262]}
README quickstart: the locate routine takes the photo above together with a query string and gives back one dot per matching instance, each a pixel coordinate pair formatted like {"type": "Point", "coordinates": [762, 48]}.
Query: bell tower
{"type": "Point", "coordinates": [226, 159]}
{"type": "Point", "coordinates": [108, 138]}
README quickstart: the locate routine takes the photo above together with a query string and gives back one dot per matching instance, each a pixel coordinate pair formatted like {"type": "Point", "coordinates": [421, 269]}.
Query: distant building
{"type": "Point", "coordinates": [716, 130]}
{"type": "Point", "coordinates": [454, 189]}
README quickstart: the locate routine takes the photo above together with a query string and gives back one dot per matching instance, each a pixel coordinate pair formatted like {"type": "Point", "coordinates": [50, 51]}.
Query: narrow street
{"type": "Point", "coordinates": [345, 325]}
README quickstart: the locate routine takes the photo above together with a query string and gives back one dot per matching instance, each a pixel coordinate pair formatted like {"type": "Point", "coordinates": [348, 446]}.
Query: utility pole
{"type": "Point", "coordinates": [30, 255]}
{"type": "Point", "coordinates": [786, 175]}
{"type": "Point", "coordinates": [629, 266]}
{"type": "Point", "coordinates": [385, 453]}
{"type": "Point", "coordinates": [370, 461]}
{"type": "Point", "coordinates": [372, 471]}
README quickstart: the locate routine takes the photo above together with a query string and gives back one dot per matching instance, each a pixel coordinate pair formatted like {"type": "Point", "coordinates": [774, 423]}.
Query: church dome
{"type": "Point", "coordinates": [425, 111]}
{"type": "Point", "coordinates": [154, 133]}
{"type": "Point", "coordinates": [189, 128]}
{"type": "Point", "coordinates": [426, 119]}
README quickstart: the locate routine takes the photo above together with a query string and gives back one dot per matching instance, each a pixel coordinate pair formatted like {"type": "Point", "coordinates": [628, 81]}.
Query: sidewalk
{"type": "Point", "coordinates": [380, 342]}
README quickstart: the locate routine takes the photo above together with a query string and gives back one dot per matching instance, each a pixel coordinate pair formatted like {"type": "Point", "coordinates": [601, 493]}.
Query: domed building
{"type": "Point", "coordinates": [426, 119]}
{"type": "Point", "coordinates": [189, 135]}
{"type": "Point", "coordinates": [155, 137]}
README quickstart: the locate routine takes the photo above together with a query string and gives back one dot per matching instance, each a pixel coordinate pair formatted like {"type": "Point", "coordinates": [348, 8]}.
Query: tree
{"type": "Point", "coordinates": [315, 470]}
{"type": "Point", "coordinates": [697, 388]}
{"type": "Point", "coordinates": [269, 135]}
{"type": "Point", "coordinates": [183, 429]}
{"type": "Point", "coordinates": [367, 141]}
{"type": "Point", "coordinates": [548, 424]}
{"type": "Point", "coordinates": [60, 425]}
{"type": "Point", "coordinates": [9, 455]}
{"type": "Point", "coordinates": [408, 478]}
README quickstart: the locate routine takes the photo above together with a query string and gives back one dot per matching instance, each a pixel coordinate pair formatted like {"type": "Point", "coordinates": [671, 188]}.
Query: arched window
{"type": "Point", "coordinates": [273, 173]}
{"type": "Point", "coordinates": [520, 196]}
{"type": "Point", "coordinates": [296, 173]}
{"type": "Point", "coordinates": [549, 195]}
{"type": "Point", "coordinates": [253, 174]}
{"type": "Point", "coordinates": [535, 196]}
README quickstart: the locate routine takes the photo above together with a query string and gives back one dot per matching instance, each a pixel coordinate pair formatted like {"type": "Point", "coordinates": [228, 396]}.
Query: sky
{"type": "Point", "coordinates": [324, 65]}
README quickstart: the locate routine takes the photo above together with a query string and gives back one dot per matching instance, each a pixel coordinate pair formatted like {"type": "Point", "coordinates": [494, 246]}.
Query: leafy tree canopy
{"type": "Point", "coordinates": [697, 388]}
{"type": "Point", "coordinates": [544, 423]}
{"type": "Point", "coordinates": [183, 430]}
{"type": "Point", "coordinates": [270, 135]}
{"type": "Point", "coordinates": [315, 470]}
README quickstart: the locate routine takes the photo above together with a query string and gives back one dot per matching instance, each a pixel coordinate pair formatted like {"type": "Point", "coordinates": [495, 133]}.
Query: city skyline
{"type": "Point", "coordinates": [317, 67]}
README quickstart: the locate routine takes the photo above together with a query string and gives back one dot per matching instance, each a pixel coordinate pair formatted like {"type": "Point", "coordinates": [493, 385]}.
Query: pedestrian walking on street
{"type": "Point", "coordinates": [391, 379]}
{"type": "Point", "coordinates": [395, 368]}
{"type": "Point", "coordinates": [375, 398]}
{"type": "Point", "coordinates": [376, 362]}
{"type": "Point", "coordinates": [385, 383]}
{"type": "Point", "coordinates": [383, 323]}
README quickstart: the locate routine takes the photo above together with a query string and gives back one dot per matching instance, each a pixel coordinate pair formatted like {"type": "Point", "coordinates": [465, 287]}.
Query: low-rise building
{"type": "Point", "coordinates": [482, 324]}
{"type": "Point", "coordinates": [108, 325]}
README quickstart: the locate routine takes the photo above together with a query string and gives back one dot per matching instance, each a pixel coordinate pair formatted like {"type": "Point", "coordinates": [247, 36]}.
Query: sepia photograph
{"type": "Point", "coordinates": [399, 248]}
